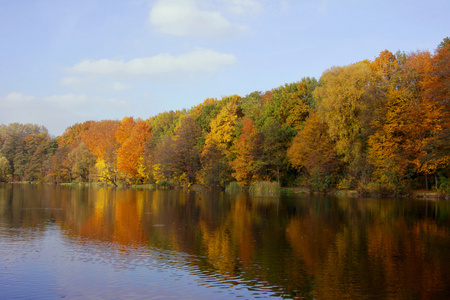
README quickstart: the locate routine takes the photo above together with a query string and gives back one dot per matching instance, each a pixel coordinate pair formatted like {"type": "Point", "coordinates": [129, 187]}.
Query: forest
{"type": "Point", "coordinates": [380, 126]}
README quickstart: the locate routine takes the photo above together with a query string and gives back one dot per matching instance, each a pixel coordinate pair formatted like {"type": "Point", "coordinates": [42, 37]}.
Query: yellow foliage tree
{"type": "Point", "coordinates": [223, 127]}
{"type": "Point", "coordinates": [345, 100]}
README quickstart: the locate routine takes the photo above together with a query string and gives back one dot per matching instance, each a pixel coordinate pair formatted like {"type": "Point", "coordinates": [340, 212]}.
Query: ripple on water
{"type": "Point", "coordinates": [53, 265]}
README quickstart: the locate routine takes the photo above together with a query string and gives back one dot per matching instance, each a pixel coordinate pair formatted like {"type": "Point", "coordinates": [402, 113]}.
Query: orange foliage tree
{"type": "Point", "coordinates": [406, 126]}
{"type": "Point", "coordinates": [313, 150]}
{"type": "Point", "coordinates": [130, 153]}
{"type": "Point", "coordinates": [247, 165]}
{"type": "Point", "coordinates": [101, 141]}
{"type": "Point", "coordinates": [437, 91]}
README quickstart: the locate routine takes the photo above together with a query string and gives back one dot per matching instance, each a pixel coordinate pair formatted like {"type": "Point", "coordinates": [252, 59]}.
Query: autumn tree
{"type": "Point", "coordinates": [386, 67]}
{"type": "Point", "coordinates": [186, 149]}
{"type": "Point", "coordinates": [290, 104]}
{"type": "Point", "coordinates": [165, 123]}
{"type": "Point", "coordinates": [217, 147]}
{"type": "Point", "coordinates": [177, 158]}
{"type": "Point", "coordinates": [247, 165]}
{"type": "Point", "coordinates": [313, 150]}
{"type": "Point", "coordinates": [437, 91]}
{"type": "Point", "coordinates": [101, 141]}
{"type": "Point", "coordinates": [72, 135]}
{"type": "Point", "coordinates": [148, 162]}
{"type": "Point", "coordinates": [164, 168]}
{"type": "Point", "coordinates": [203, 114]}
{"type": "Point", "coordinates": [131, 151]}
{"type": "Point", "coordinates": [5, 169]}
{"type": "Point", "coordinates": [222, 130]}
{"type": "Point", "coordinates": [409, 123]}
{"type": "Point", "coordinates": [61, 166]}
{"type": "Point", "coordinates": [125, 129]}
{"type": "Point", "coordinates": [82, 162]}
{"type": "Point", "coordinates": [216, 171]}
{"type": "Point", "coordinates": [344, 100]}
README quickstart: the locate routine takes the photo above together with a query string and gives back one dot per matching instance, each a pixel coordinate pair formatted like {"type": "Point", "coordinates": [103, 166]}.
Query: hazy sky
{"type": "Point", "coordinates": [66, 62]}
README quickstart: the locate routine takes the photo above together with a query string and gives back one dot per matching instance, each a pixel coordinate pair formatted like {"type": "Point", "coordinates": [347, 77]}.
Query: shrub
{"type": "Point", "coordinates": [265, 188]}
{"type": "Point", "coordinates": [444, 185]}
{"type": "Point", "coordinates": [234, 188]}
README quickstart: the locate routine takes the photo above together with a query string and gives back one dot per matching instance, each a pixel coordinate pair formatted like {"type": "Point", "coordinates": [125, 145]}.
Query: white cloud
{"type": "Point", "coordinates": [57, 112]}
{"type": "Point", "coordinates": [199, 61]}
{"type": "Point", "coordinates": [74, 82]}
{"type": "Point", "coordinates": [185, 18]}
{"type": "Point", "coordinates": [93, 83]}
{"type": "Point", "coordinates": [16, 99]}
{"type": "Point", "coordinates": [244, 6]}
{"type": "Point", "coordinates": [119, 86]}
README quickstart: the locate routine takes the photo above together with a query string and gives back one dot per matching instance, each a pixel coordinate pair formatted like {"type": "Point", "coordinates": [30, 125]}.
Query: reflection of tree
{"type": "Point", "coordinates": [373, 250]}
{"type": "Point", "coordinates": [410, 256]}
{"type": "Point", "coordinates": [219, 249]}
{"type": "Point", "coordinates": [307, 247]}
{"type": "Point", "coordinates": [310, 238]}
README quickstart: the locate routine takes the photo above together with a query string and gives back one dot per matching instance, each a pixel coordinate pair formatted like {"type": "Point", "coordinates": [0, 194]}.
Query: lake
{"type": "Point", "coordinates": [103, 243]}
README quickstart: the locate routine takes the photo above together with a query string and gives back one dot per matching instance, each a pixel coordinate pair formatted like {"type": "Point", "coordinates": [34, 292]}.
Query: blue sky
{"type": "Point", "coordinates": [66, 62]}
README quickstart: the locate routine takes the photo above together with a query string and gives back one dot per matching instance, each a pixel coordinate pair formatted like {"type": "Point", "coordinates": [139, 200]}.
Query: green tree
{"type": "Point", "coordinates": [290, 104]}
{"type": "Point", "coordinates": [82, 162]}
{"type": "Point", "coordinates": [165, 123]}
{"type": "Point", "coordinates": [34, 168]}
{"type": "Point", "coordinates": [276, 142]}
{"type": "Point", "coordinates": [252, 105]}
{"type": "Point", "coordinates": [14, 144]}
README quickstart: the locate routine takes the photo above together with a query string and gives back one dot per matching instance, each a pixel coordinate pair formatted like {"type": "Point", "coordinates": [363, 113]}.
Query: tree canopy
{"type": "Point", "coordinates": [380, 125]}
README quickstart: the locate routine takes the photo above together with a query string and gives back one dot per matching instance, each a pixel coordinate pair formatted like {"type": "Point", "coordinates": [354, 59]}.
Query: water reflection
{"type": "Point", "coordinates": [310, 247]}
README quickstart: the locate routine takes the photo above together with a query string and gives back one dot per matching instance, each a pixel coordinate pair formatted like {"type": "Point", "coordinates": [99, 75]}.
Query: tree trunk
{"type": "Point", "coordinates": [426, 182]}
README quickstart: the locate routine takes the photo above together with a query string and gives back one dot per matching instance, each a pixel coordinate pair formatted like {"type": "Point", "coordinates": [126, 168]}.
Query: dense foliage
{"type": "Point", "coordinates": [381, 125]}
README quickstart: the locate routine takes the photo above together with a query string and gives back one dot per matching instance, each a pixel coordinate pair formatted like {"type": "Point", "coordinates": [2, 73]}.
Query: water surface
{"type": "Point", "coordinates": [103, 243]}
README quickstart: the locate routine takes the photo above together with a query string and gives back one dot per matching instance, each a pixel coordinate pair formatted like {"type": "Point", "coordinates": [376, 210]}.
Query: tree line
{"type": "Point", "coordinates": [375, 126]}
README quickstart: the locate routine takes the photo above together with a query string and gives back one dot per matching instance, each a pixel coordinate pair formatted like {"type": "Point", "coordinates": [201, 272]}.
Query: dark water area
{"type": "Point", "coordinates": [103, 243]}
